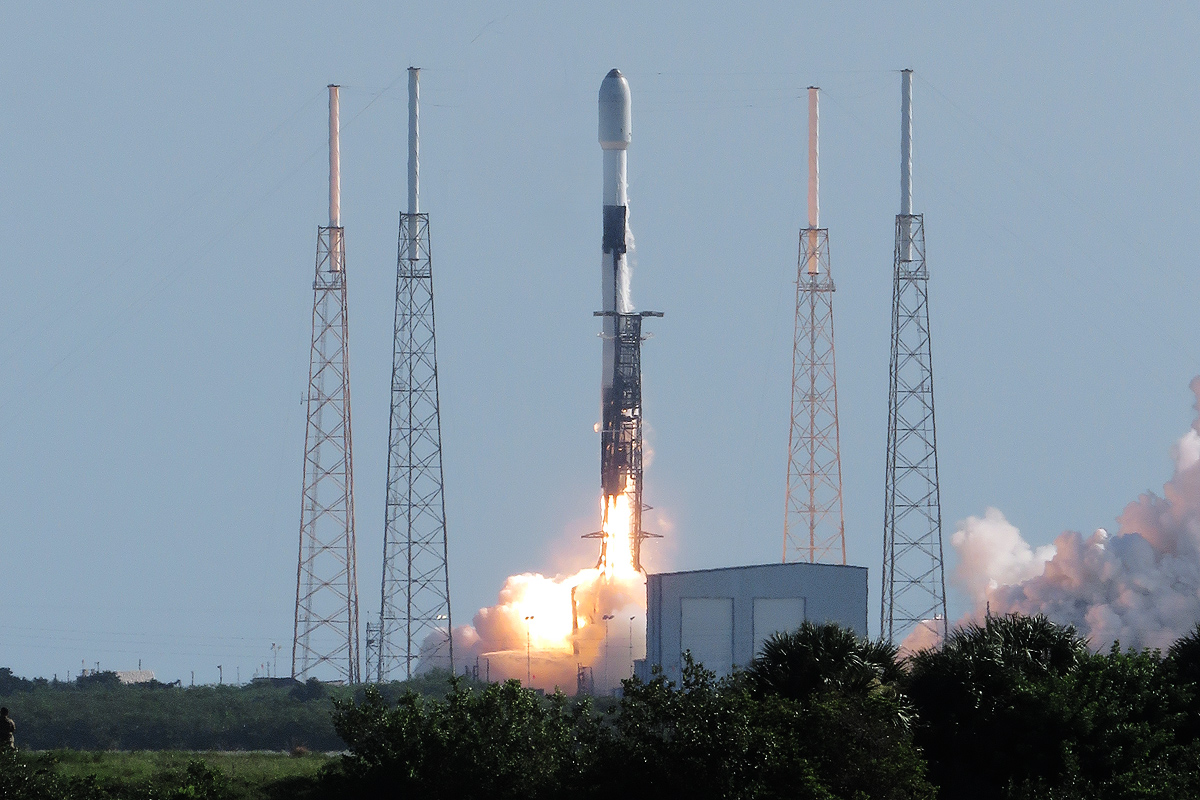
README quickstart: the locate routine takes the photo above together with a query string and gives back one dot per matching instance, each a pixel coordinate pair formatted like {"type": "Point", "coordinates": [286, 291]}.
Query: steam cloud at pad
{"type": "Point", "coordinates": [1139, 586]}
{"type": "Point", "coordinates": [545, 628]}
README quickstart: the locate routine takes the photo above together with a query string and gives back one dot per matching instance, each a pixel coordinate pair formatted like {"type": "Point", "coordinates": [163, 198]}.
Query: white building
{"type": "Point", "coordinates": [131, 676]}
{"type": "Point", "coordinates": [724, 615]}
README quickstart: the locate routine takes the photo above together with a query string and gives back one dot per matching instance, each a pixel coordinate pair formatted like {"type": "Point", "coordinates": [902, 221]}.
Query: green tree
{"type": "Point", "coordinates": [992, 713]}
{"type": "Point", "coordinates": [501, 742]}
{"type": "Point", "coordinates": [848, 717]}
{"type": "Point", "coordinates": [701, 739]}
{"type": "Point", "coordinates": [1126, 735]}
{"type": "Point", "coordinates": [816, 659]}
{"type": "Point", "coordinates": [725, 739]}
{"type": "Point", "coordinates": [1019, 708]}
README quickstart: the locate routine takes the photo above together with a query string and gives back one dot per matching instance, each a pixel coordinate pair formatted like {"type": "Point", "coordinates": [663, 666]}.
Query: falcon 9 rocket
{"type": "Point", "coordinates": [621, 378]}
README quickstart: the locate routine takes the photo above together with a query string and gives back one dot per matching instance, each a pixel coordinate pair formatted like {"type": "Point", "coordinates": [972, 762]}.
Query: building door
{"type": "Point", "coordinates": [706, 629]}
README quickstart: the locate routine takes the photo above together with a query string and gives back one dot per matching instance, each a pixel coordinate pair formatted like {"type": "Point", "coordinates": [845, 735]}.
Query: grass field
{"type": "Point", "coordinates": [165, 773]}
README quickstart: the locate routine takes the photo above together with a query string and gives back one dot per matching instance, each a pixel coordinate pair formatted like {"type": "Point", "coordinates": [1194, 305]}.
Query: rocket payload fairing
{"type": "Point", "coordinates": [621, 378]}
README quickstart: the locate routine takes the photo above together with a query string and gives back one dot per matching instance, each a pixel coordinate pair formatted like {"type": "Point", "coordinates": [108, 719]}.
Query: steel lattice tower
{"type": "Point", "coordinates": [914, 582]}
{"type": "Point", "coordinates": [814, 524]}
{"type": "Point", "coordinates": [371, 646]}
{"type": "Point", "coordinates": [326, 626]}
{"type": "Point", "coordinates": [416, 590]}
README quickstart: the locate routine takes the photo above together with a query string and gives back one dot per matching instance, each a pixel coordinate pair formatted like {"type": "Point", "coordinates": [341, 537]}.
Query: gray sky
{"type": "Point", "coordinates": [163, 176]}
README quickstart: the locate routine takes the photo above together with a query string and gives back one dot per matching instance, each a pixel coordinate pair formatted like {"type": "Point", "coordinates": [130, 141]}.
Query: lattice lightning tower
{"type": "Point", "coordinates": [814, 525]}
{"type": "Point", "coordinates": [914, 581]}
{"type": "Point", "coordinates": [416, 590]}
{"type": "Point", "coordinates": [326, 626]}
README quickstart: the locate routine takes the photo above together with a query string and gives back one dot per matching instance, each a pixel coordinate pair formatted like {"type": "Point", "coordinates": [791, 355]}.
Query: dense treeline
{"type": "Point", "coordinates": [73, 775]}
{"type": "Point", "coordinates": [705, 738]}
{"type": "Point", "coordinates": [98, 712]}
{"type": "Point", "coordinates": [1017, 708]}
{"type": "Point", "coordinates": [1020, 708]}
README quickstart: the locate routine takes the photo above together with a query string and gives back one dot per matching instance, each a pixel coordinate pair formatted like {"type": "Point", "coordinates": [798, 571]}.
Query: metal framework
{"type": "Point", "coordinates": [326, 623]}
{"type": "Point", "coordinates": [371, 655]}
{"type": "Point", "coordinates": [914, 582]}
{"type": "Point", "coordinates": [621, 430]}
{"type": "Point", "coordinates": [416, 590]}
{"type": "Point", "coordinates": [814, 527]}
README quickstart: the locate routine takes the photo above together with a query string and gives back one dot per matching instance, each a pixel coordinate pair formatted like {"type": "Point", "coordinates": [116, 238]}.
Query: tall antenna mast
{"type": "Point", "coordinates": [326, 625]}
{"type": "Point", "coordinates": [914, 575]}
{"type": "Point", "coordinates": [414, 616]}
{"type": "Point", "coordinates": [814, 527]}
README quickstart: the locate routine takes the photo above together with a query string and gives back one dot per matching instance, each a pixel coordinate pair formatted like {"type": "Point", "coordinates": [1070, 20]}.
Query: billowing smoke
{"type": "Point", "coordinates": [992, 553]}
{"type": "Point", "coordinates": [1140, 586]}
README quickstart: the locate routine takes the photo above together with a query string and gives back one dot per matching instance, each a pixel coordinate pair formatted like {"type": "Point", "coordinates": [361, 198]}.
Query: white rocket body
{"type": "Point", "coordinates": [615, 135]}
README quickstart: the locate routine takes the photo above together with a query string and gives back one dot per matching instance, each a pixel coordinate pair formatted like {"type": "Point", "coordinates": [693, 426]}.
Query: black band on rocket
{"type": "Point", "coordinates": [614, 229]}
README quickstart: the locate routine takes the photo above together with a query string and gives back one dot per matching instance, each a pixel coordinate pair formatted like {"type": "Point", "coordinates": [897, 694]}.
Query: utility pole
{"type": "Point", "coordinates": [606, 618]}
{"type": "Point", "coordinates": [528, 657]}
{"type": "Point", "coordinates": [631, 647]}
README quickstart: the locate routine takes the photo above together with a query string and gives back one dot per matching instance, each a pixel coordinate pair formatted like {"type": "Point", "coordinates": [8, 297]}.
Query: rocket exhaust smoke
{"type": "Point", "coordinates": [1140, 586]}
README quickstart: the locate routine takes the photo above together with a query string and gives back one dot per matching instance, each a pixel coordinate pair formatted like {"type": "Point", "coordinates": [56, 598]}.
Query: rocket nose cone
{"type": "Point", "coordinates": [615, 118]}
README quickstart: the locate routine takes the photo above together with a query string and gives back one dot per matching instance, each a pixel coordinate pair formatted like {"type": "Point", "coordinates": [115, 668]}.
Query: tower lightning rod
{"type": "Point", "coordinates": [906, 142]}
{"type": "Point", "coordinates": [906, 162]}
{"type": "Point", "coordinates": [814, 172]}
{"type": "Point", "coordinates": [814, 181]}
{"type": "Point", "coordinates": [335, 160]}
{"type": "Point", "coordinates": [414, 140]}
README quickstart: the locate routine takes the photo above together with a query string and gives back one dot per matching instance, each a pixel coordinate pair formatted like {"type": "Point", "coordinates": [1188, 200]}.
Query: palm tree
{"type": "Point", "coordinates": [985, 701]}
{"type": "Point", "coordinates": [817, 659]}
{"type": "Point", "coordinates": [1013, 644]}
{"type": "Point", "coordinates": [1183, 658]}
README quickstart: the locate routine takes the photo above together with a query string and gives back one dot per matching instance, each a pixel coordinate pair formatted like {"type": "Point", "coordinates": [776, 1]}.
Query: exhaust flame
{"type": "Point", "coordinates": [547, 627]}
{"type": "Point", "coordinates": [616, 552]}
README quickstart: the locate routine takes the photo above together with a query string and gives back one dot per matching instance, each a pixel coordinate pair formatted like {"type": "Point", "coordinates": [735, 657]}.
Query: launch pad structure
{"type": "Point", "coordinates": [814, 527]}
{"type": "Point", "coordinates": [325, 635]}
{"type": "Point", "coordinates": [914, 575]}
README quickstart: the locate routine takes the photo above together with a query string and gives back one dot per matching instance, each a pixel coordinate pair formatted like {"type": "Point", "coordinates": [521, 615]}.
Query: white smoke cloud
{"type": "Point", "coordinates": [1140, 586]}
{"type": "Point", "coordinates": [992, 553]}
